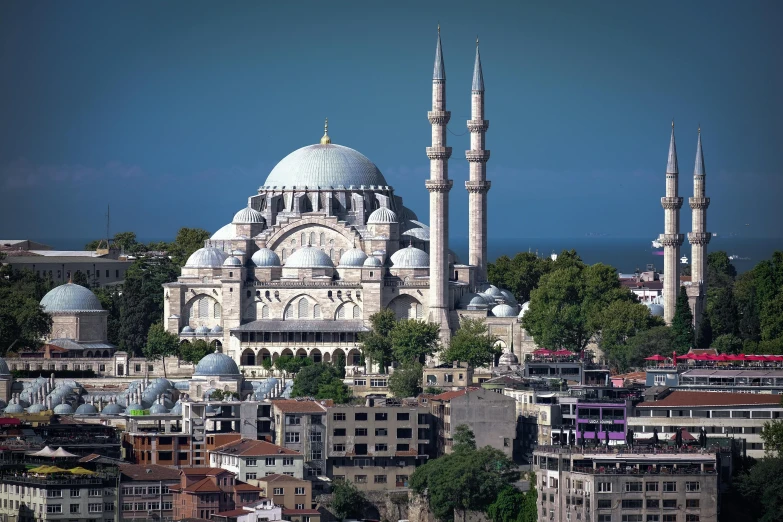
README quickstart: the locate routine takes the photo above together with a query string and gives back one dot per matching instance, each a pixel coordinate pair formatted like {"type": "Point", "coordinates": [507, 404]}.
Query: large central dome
{"type": "Point", "coordinates": [324, 166]}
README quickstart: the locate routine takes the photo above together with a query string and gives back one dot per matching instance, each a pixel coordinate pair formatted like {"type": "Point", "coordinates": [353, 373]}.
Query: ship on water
{"type": "Point", "coordinates": [656, 243]}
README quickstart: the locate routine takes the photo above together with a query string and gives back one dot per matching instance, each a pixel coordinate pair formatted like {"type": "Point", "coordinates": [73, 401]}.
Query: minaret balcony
{"type": "Point", "coordinates": [478, 186]}
{"type": "Point", "coordinates": [699, 238]}
{"type": "Point", "coordinates": [439, 117]}
{"type": "Point", "coordinates": [671, 240]}
{"type": "Point", "coordinates": [671, 203]}
{"type": "Point", "coordinates": [699, 203]}
{"type": "Point", "coordinates": [477, 156]}
{"type": "Point", "coordinates": [478, 125]}
{"type": "Point", "coordinates": [439, 185]}
{"type": "Point", "coordinates": [438, 153]}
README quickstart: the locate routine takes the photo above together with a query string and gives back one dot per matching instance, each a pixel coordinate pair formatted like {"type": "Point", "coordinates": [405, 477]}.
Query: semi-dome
{"type": "Point", "coordinates": [62, 409]}
{"type": "Point", "coordinates": [504, 310]}
{"type": "Point", "coordinates": [325, 166]}
{"type": "Point", "coordinates": [525, 308]}
{"type": "Point", "coordinates": [416, 233]}
{"type": "Point", "coordinates": [86, 409]}
{"type": "Point", "coordinates": [471, 300]}
{"type": "Point", "coordinates": [309, 257]}
{"type": "Point", "coordinates": [656, 310]}
{"type": "Point", "coordinates": [508, 296]}
{"type": "Point", "coordinates": [248, 215]}
{"type": "Point", "coordinates": [112, 409]}
{"type": "Point", "coordinates": [372, 261]}
{"type": "Point", "coordinates": [202, 330]}
{"type": "Point", "coordinates": [265, 257]}
{"type": "Point", "coordinates": [70, 297]}
{"type": "Point", "coordinates": [224, 233]}
{"type": "Point", "coordinates": [232, 261]}
{"type": "Point", "coordinates": [207, 257]}
{"type": "Point", "coordinates": [216, 364]}
{"type": "Point", "coordinates": [4, 370]}
{"type": "Point", "coordinates": [382, 215]}
{"type": "Point", "coordinates": [353, 257]}
{"type": "Point", "coordinates": [487, 298]}
{"type": "Point", "coordinates": [410, 257]}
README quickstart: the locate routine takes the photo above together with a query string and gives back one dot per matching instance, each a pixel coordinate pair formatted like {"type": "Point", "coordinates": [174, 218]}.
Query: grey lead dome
{"type": "Point", "coordinates": [208, 257]}
{"type": "Point", "coordinates": [309, 257]}
{"type": "Point", "coordinates": [216, 364]}
{"type": "Point", "coordinates": [70, 297]}
{"type": "Point", "coordinates": [325, 166]}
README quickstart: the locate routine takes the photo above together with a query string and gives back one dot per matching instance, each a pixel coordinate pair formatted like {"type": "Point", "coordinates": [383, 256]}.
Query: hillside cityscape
{"type": "Point", "coordinates": [342, 348]}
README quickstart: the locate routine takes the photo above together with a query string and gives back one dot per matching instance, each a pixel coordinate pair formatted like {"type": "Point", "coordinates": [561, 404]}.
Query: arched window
{"type": "Point", "coordinates": [304, 241]}
{"type": "Point", "coordinates": [302, 308]}
{"type": "Point", "coordinates": [282, 256]}
{"type": "Point", "coordinates": [418, 311]}
{"type": "Point", "coordinates": [357, 312]}
{"type": "Point", "coordinates": [341, 312]}
{"type": "Point", "coordinates": [317, 312]}
{"type": "Point", "coordinates": [321, 239]}
{"type": "Point", "coordinates": [203, 308]}
{"type": "Point", "coordinates": [249, 312]}
{"type": "Point", "coordinates": [265, 312]}
{"type": "Point", "coordinates": [312, 238]}
{"type": "Point", "coordinates": [289, 312]}
{"type": "Point", "coordinates": [217, 310]}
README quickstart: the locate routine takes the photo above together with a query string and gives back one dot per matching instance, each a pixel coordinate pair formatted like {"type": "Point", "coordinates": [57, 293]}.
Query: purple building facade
{"type": "Point", "coordinates": [596, 418]}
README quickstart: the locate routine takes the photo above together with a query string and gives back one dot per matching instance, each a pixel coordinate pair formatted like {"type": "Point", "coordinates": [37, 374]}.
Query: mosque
{"type": "Point", "coordinates": [326, 242]}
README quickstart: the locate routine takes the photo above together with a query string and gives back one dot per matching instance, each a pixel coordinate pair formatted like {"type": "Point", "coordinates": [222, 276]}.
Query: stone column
{"type": "Point", "coordinates": [671, 238]}
{"type": "Point", "coordinates": [698, 238]}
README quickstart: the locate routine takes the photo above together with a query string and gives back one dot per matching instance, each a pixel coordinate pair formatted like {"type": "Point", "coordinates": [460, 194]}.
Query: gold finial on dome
{"type": "Point", "coordinates": [325, 139]}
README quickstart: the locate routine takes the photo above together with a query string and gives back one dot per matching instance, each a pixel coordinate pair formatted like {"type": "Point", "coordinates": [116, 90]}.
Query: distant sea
{"type": "Point", "coordinates": [625, 254]}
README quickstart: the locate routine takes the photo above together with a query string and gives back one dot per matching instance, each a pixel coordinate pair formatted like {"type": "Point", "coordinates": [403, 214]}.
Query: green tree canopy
{"type": "Point", "coordinates": [160, 344]}
{"type": "Point", "coordinates": [188, 240]}
{"type": "Point", "coordinates": [658, 340]}
{"type": "Point", "coordinates": [377, 344]}
{"type": "Point", "coordinates": [347, 501]}
{"type": "Point", "coordinates": [762, 491]}
{"type": "Point", "coordinates": [513, 505]}
{"type": "Point", "coordinates": [195, 351]}
{"type": "Point", "coordinates": [405, 381]}
{"type": "Point", "coordinates": [464, 438]}
{"type": "Point", "coordinates": [682, 323]}
{"type": "Point", "coordinates": [472, 344]}
{"type": "Point", "coordinates": [413, 340]}
{"type": "Point", "coordinates": [621, 321]}
{"type": "Point", "coordinates": [320, 381]}
{"type": "Point", "coordinates": [23, 323]}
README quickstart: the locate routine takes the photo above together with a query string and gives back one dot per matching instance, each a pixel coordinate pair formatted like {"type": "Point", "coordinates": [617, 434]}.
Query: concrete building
{"type": "Point", "coordinates": [671, 239]}
{"type": "Point", "coordinates": [287, 491]}
{"type": "Point", "coordinates": [448, 377]}
{"type": "Point", "coordinates": [377, 446]}
{"type": "Point", "coordinates": [632, 486]}
{"type": "Point", "coordinates": [144, 492]}
{"type": "Point", "coordinates": [300, 425]}
{"type": "Point", "coordinates": [204, 492]}
{"type": "Point", "coordinates": [251, 460]}
{"type": "Point", "coordinates": [262, 511]}
{"type": "Point", "coordinates": [100, 271]}
{"type": "Point", "coordinates": [491, 416]}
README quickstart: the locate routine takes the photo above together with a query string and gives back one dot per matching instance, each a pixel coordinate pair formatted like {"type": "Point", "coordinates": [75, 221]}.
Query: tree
{"type": "Point", "coordinates": [188, 240]}
{"type": "Point", "coordinates": [704, 334]}
{"type": "Point", "coordinates": [79, 278]}
{"type": "Point", "coordinates": [508, 506]}
{"type": "Point", "coordinates": [23, 322]}
{"type": "Point", "coordinates": [621, 321]}
{"type": "Point", "coordinates": [111, 301]}
{"type": "Point", "coordinates": [772, 435]}
{"type": "Point", "coordinates": [413, 340]}
{"type": "Point", "coordinates": [722, 312]}
{"type": "Point", "coordinates": [160, 344]}
{"type": "Point", "coordinates": [220, 395]}
{"type": "Point", "coordinates": [377, 344]}
{"type": "Point", "coordinates": [655, 341]}
{"type": "Point", "coordinates": [125, 240]}
{"type": "Point", "coordinates": [762, 490]}
{"type": "Point", "coordinates": [728, 344]}
{"type": "Point", "coordinates": [463, 438]}
{"type": "Point", "coordinates": [520, 274]}
{"type": "Point", "coordinates": [472, 344]}
{"type": "Point", "coordinates": [195, 351]}
{"type": "Point", "coordinates": [405, 381]}
{"type": "Point", "coordinates": [682, 323]}
{"type": "Point", "coordinates": [321, 382]}
{"type": "Point", "coordinates": [720, 271]}
{"type": "Point", "coordinates": [347, 501]}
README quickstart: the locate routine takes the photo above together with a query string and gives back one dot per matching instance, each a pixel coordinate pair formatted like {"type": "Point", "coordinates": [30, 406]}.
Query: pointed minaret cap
{"type": "Point", "coordinates": [440, 70]}
{"type": "Point", "coordinates": [325, 139]}
{"type": "Point", "coordinates": [698, 169]}
{"type": "Point", "coordinates": [478, 75]}
{"type": "Point", "coordinates": [671, 166]}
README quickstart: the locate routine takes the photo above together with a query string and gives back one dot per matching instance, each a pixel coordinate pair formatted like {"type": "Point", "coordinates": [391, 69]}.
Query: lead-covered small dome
{"type": "Point", "coordinates": [309, 257]}
{"type": "Point", "coordinates": [656, 310]}
{"type": "Point", "coordinates": [265, 257]}
{"type": "Point", "coordinates": [493, 291]}
{"type": "Point", "coordinates": [36, 408]}
{"type": "Point", "coordinates": [207, 257]}
{"type": "Point", "coordinates": [372, 261]}
{"type": "Point", "coordinates": [232, 261]}
{"type": "Point", "coordinates": [248, 215]}
{"type": "Point", "coordinates": [410, 257]}
{"type": "Point", "coordinates": [504, 310]}
{"type": "Point", "coordinates": [353, 257]}
{"type": "Point", "coordinates": [525, 308]}
{"type": "Point", "coordinates": [112, 409]}
{"type": "Point", "coordinates": [62, 409]}
{"type": "Point", "coordinates": [509, 297]}
{"type": "Point", "coordinates": [158, 408]}
{"type": "Point", "coordinates": [187, 330]}
{"type": "Point", "coordinates": [70, 297]}
{"type": "Point", "coordinates": [86, 409]}
{"type": "Point", "coordinates": [202, 330]}
{"type": "Point", "coordinates": [14, 408]}
{"type": "Point", "coordinates": [471, 301]}
{"type": "Point", "coordinates": [223, 233]}
{"type": "Point", "coordinates": [216, 364]}
{"type": "Point", "coordinates": [381, 216]}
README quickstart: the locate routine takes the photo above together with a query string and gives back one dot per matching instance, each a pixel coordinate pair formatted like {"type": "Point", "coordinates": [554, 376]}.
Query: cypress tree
{"type": "Point", "coordinates": [682, 323]}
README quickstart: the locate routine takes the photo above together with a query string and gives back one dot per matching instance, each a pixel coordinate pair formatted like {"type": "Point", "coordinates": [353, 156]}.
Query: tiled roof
{"type": "Point", "coordinates": [633, 376]}
{"type": "Point", "coordinates": [688, 398]}
{"type": "Point", "coordinates": [276, 477]}
{"type": "Point", "coordinates": [202, 471]}
{"type": "Point", "coordinates": [301, 511]}
{"type": "Point", "coordinates": [253, 448]}
{"type": "Point", "coordinates": [205, 485]}
{"type": "Point", "coordinates": [294, 406]}
{"type": "Point", "coordinates": [244, 486]}
{"type": "Point", "coordinates": [447, 396]}
{"type": "Point", "coordinates": [152, 472]}
{"type": "Point", "coordinates": [233, 513]}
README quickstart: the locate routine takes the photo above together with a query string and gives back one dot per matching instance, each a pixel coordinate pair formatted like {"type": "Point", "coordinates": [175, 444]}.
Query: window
{"type": "Point", "coordinates": [669, 518]}
{"type": "Point", "coordinates": [250, 476]}
{"type": "Point", "coordinates": [379, 479]}
{"type": "Point", "coordinates": [168, 506]}
{"type": "Point", "coordinates": [269, 462]}
{"type": "Point", "coordinates": [108, 506]}
{"type": "Point", "coordinates": [54, 493]}
{"type": "Point", "coordinates": [137, 368]}
{"type": "Point", "coordinates": [632, 518]}
{"type": "Point", "coordinates": [278, 491]}
{"type": "Point", "coordinates": [692, 486]}
{"type": "Point", "coordinates": [75, 493]}
{"type": "Point", "coordinates": [339, 432]}
{"type": "Point", "coordinates": [634, 487]}
{"type": "Point", "coordinates": [360, 479]}
{"type": "Point", "coordinates": [604, 518]}
{"type": "Point", "coordinates": [381, 447]}
{"type": "Point", "coordinates": [251, 463]}
{"type": "Point", "coordinates": [153, 506]}
{"type": "Point", "coordinates": [54, 508]}
{"type": "Point", "coordinates": [74, 508]}
{"type": "Point", "coordinates": [299, 491]}
{"type": "Point", "coordinates": [604, 504]}
{"type": "Point", "coordinates": [96, 493]}
{"type": "Point", "coordinates": [361, 432]}
{"type": "Point", "coordinates": [127, 507]}
{"type": "Point", "coordinates": [360, 416]}
{"type": "Point", "coordinates": [378, 383]}
{"type": "Point", "coordinates": [670, 503]}
{"type": "Point", "coordinates": [653, 503]}
{"type": "Point", "coordinates": [316, 454]}
{"type": "Point", "coordinates": [315, 436]}
{"type": "Point", "coordinates": [603, 487]}
{"type": "Point", "coordinates": [293, 420]}
{"type": "Point", "coordinates": [635, 503]}
{"type": "Point", "coordinates": [299, 506]}
{"type": "Point", "coordinates": [653, 518]}
{"type": "Point", "coordinates": [381, 432]}
{"type": "Point", "coordinates": [670, 486]}
{"type": "Point", "coordinates": [692, 503]}
{"type": "Point", "coordinates": [126, 490]}
{"type": "Point", "coordinates": [338, 447]}
{"type": "Point", "coordinates": [288, 461]}
{"type": "Point", "coordinates": [691, 518]}
{"type": "Point", "coordinates": [291, 437]}
{"type": "Point", "coordinates": [651, 486]}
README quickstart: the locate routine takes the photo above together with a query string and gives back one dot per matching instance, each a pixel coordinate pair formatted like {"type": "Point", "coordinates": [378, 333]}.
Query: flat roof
{"type": "Point", "coordinates": [711, 372]}
{"type": "Point", "coordinates": [55, 260]}
{"type": "Point", "coordinates": [679, 399]}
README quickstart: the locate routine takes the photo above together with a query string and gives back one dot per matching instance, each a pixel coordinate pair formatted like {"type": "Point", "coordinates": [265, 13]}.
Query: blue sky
{"type": "Point", "coordinates": [174, 112]}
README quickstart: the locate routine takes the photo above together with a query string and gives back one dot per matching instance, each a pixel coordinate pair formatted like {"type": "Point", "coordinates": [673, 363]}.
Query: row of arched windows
{"type": "Point", "coordinates": [204, 308]}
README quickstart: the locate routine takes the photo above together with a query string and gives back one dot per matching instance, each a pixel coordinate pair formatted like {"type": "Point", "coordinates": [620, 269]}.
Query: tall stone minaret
{"type": "Point", "coordinates": [478, 185]}
{"type": "Point", "coordinates": [698, 238]}
{"type": "Point", "coordinates": [439, 186]}
{"type": "Point", "coordinates": [671, 238]}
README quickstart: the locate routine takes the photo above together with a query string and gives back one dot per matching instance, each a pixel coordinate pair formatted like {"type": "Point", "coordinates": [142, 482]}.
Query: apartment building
{"type": "Point", "coordinates": [171, 448]}
{"type": "Point", "coordinates": [203, 492]}
{"type": "Point", "coordinates": [300, 425]}
{"type": "Point", "coordinates": [262, 511]}
{"type": "Point", "coordinates": [144, 492]}
{"type": "Point", "coordinates": [252, 460]}
{"type": "Point", "coordinates": [289, 492]}
{"type": "Point", "coordinates": [627, 486]}
{"type": "Point", "coordinates": [446, 377]}
{"type": "Point", "coordinates": [378, 445]}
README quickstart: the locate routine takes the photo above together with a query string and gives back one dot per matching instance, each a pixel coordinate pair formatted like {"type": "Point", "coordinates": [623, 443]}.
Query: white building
{"type": "Point", "coordinates": [253, 459]}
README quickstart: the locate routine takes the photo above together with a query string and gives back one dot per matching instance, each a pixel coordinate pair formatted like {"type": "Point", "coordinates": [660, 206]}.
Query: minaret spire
{"type": "Point", "coordinates": [477, 186]}
{"type": "Point", "coordinates": [699, 238]}
{"type": "Point", "coordinates": [671, 238]}
{"type": "Point", "coordinates": [439, 186]}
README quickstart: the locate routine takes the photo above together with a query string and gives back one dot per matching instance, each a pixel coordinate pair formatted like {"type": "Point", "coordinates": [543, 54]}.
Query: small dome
{"type": "Point", "coordinates": [309, 257]}
{"type": "Point", "coordinates": [177, 409]}
{"type": "Point", "coordinates": [487, 298]}
{"type": "Point", "coordinates": [232, 261]}
{"type": "Point", "coordinates": [4, 370]}
{"type": "Point", "coordinates": [158, 408]}
{"type": "Point", "coordinates": [70, 297]}
{"type": "Point", "coordinates": [353, 257]}
{"type": "Point", "coordinates": [372, 261]}
{"type": "Point", "coordinates": [656, 310]}
{"type": "Point", "coordinates": [86, 409]}
{"type": "Point", "coordinates": [224, 233]}
{"type": "Point", "coordinates": [504, 310]}
{"type": "Point", "coordinates": [62, 409]}
{"type": "Point", "coordinates": [216, 364]}
{"type": "Point", "coordinates": [382, 215]}
{"type": "Point", "coordinates": [135, 406]}
{"type": "Point", "coordinates": [417, 234]}
{"type": "Point", "coordinates": [508, 359]}
{"type": "Point", "coordinates": [36, 408]}
{"type": "Point", "coordinates": [523, 311]}
{"type": "Point", "coordinates": [187, 330]}
{"type": "Point", "coordinates": [217, 329]}
{"type": "Point", "coordinates": [112, 409]}
{"type": "Point", "coordinates": [493, 291]}
{"type": "Point", "coordinates": [407, 214]}
{"type": "Point", "coordinates": [208, 257]}
{"type": "Point", "coordinates": [14, 408]}
{"type": "Point", "coordinates": [265, 257]}
{"type": "Point", "coordinates": [238, 252]}
{"type": "Point", "coordinates": [509, 297]}
{"type": "Point", "coordinates": [471, 300]}
{"type": "Point", "coordinates": [202, 330]}
{"type": "Point", "coordinates": [248, 215]}
{"type": "Point", "coordinates": [410, 258]}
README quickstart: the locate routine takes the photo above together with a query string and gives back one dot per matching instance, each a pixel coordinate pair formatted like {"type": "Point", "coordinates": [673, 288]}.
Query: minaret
{"type": "Point", "coordinates": [478, 185]}
{"type": "Point", "coordinates": [698, 238]}
{"type": "Point", "coordinates": [671, 238]}
{"type": "Point", "coordinates": [439, 186]}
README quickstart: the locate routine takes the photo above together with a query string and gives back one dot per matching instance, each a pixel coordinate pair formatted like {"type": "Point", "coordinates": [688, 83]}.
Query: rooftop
{"type": "Point", "coordinates": [294, 406]}
{"type": "Point", "coordinates": [447, 396]}
{"type": "Point", "coordinates": [253, 448]}
{"type": "Point", "coordinates": [152, 472]}
{"type": "Point", "coordinates": [275, 477]}
{"type": "Point", "coordinates": [689, 398]}
{"type": "Point", "coordinates": [303, 325]}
